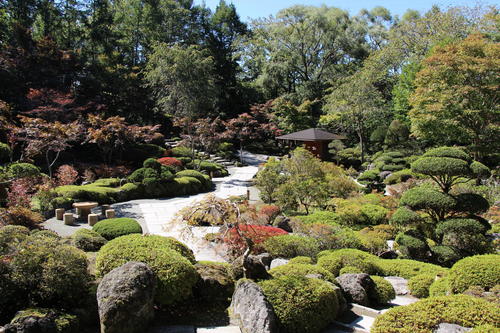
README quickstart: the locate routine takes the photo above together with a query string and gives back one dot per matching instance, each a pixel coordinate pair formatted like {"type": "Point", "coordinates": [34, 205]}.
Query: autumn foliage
{"type": "Point", "coordinates": [170, 161]}
{"type": "Point", "coordinates": [235, 237]}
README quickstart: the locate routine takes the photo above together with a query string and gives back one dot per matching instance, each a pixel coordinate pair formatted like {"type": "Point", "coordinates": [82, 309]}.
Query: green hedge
{"type": "Point", "coordinates": [481, 270]}
{"type": "Point", "coordinates": [301, 270]}
{"type": "Point", "coordinates": [383, 292]}
{"type": "Point", "coordinates": [301, 260]}
{"type": "Point", "coordinates": [169, 259]}
{"type": "Point", "coordinates": [302, 305]}
{"type": "Point", "coordinates": [334, 261]}
{"type": "Point", "coordinates": [102, 195]}
{"type": "Point", "coordinates": [88, 240]}
{"type": "Point", "coordinates": [424, 316]}
{"type": "Point", "coordinates": [439, 287]}
{"type": "Point", "coordinates": [21, 170]}
{"type": "Point", "coordinates": [407, 268]}
{"type": "Point", "coordinates": [204, 180]}
{"type": "Point", "coordinates": [116, 227]}
{"type": "Point", "coordinates": [107, 182]}
{"type": "Point", "coordinates": [181, 151]}
{"type": "Point", "coordinates": [419, 285]}
{"type": "Point", "coordinates": [290, 246]}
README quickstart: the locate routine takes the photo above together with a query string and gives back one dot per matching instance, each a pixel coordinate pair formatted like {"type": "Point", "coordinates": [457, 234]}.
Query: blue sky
{"type": "Point", "coordinates": [262, 8]}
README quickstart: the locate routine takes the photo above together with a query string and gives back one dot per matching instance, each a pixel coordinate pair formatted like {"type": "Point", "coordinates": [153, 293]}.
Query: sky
{"type": "Point", "coordinates": [250, 9]}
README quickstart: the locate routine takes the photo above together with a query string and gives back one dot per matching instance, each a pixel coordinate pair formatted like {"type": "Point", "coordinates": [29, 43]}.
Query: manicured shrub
{"type": "Point", "coordinates": [170, 161]}
{"type": "Point", "coordinates": [107, 182]}
{"type": "Point", "coordinates": [427, 198]}
{"type": "Point", "coordinates": [10, 238]}
{"type": "Point", "coordinates": [439, 287]}
{"type": "Point", "coordinates": [5, 153]}
{"type": "Point", "coordinates": [399, 176]}
{"type": "Point", "coordinates": [130, 191]}
{"type": "Point", "coordinates": [392, 167]}
{"type": "Point", "coordinates": [405, 217]}
{"type": "Point", "coordinates": [331, 237]}
{"type": "Point", "coordinates": [459, 225]}
{"type": "Point", "coordinates": [412, 245]}
{"type": "Point", "coordinates": [184, 160]}
{"type": "Point", "coordinates": [424, 316]}
{"type": "Point", "coordinates": [369, 176]}
{"type": "Point", "coordinates": [407, 268]}
{"type": "Point", "coordinates": [419, 285]}
{"type": "Point", "coordinates": [88, 240]}
{"type": "Point", "coordinates": [116, 227]}
{"type": "Point", "coordinates": [323, 217]}
{"type": "Point", "coordinates": [334, 261]}
{"type": "Point", "coordinates": [374, 214]}
{"type": "Point", "coordinates": [290, 246]}
{"type": "Point", "coordinates": [151, 163]}
{"type": "Point", "coordinates": [103, 195]}
{"type": "Point", "coordinates": [301, 270]}
{"type": "Point", "coordinates": [204, 180]}
{"type": "Point", "coordinates": [62, 202]}
{"type": "Point", "coordinates": [181, 151]}
{"type": "Point", "coordinates": [383, 292]}
{"type": "Point", "coordinates": [301, 260]}
{"type": "Point", "coordinates": [313, 306]}
{"type": "Point", "coordinates": [471, 203]}
{"type": "Point", "coordinates": [452, 152]}
{"type": "Point", "coordinates": [350, 270]}
{"type": "Point", "coordinates": [175, 273]}
{"type": "Point", "coordinates": [44, 233]}
{"type": "Point", "coordinates": [445, 255]}
{"type": "Point", "coordinates": [21, 170]}
{"type": "Point", "coordinates": [50, 273]}
{"type": "Point", "coordinates": [481, 270]}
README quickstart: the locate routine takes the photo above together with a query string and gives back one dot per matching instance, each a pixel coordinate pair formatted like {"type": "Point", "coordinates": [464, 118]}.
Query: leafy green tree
{"type": "Point", "coordinates": [182, 80]}
{"type": "Point", "coordinates": [298, 49]}
{"type": "Point", "coordinates": [355, 105]}
{"type": "Point", "coordinates": [269, 179]}
{"type": "Point", "coordinates": [401, 92]}
{"type": "Point", "coordinates": [456, 96]}
{"type": "Point", "coordinates": [292, 118]}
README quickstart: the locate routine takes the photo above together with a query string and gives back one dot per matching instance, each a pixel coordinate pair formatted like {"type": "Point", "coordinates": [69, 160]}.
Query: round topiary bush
{"type": "Point", "coordinates": [44, 233]}
{"type": "Point", "coordinates": [21, 170]}
{"type": "Point", "coordinates": [334, 261]}
{"type": "Point", "coordinates": [439, 287]}
{"type": "Point", "coordinates": [383, 292]}
{"type": "Point", "coordinates": [50, 273]}
{"type": "Point", "coordinates": [425, 315]}
{"type": "Point", "coordinates": [88, 240]}
{"type": "Point", "coordinates": [407, 268]}
{"type": "Point", "coordinates": [350, 270]}
{"type": "Point", "coordinates": [11, 236]}
{"type": "Point", "coordinates": [481, 270]}
{"type": "Point", "coordinates": [116, 227]}
{"type": "Point", "coordinates": [301, 260]}
{"type": "Point", "coordinates": [301, 270]}
{"type": "Point", "coordinates": [175, 272]}
{"type": "Point", "coordinates": [419, 285]}
{"type": "Point", "coordinates": [302, 305]}
{"type": "Point", "coordinates": [290, 246]}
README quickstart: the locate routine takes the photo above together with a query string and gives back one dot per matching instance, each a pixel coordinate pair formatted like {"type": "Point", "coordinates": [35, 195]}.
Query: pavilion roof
{"type": "Point", "coordinates": [311, 134]}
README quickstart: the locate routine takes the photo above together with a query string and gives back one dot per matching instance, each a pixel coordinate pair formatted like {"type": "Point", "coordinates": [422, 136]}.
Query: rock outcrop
{"type": "Point", "coordinates": [125, 298]}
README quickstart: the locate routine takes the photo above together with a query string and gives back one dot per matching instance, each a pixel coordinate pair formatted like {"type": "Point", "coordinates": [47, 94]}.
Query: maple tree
{"type": "Point", "coordinates": [40, 137]}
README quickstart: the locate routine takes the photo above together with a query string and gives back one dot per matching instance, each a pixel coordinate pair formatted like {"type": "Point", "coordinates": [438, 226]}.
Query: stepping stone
{"type": "Point", "coordinates": [222, 329]}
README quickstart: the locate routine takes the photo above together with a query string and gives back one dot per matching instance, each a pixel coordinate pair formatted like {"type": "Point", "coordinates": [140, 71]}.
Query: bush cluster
{"type": "Point", "coordinates": [88, 240]}
{"type": "Point", "coordinates": [481, 270]}
{"type": "Point", "coordinates": [313, 306]}
{"type": "Point", "coordinates": [116, 227]}
{"type": "Point", "coordinates": [334, 261]}
{"type": "Point", "coordinates": [290, 246]}
{"type": "Point", "coordinates": [171, 260]}
{"type": "Point", "coordinates": [425, 315]}
{"type": "Point", "coordinates": [301, 269]}
{"type": "Point", "coordinates": [419, 285]}
{"type": "Point", "coordinates": [383, 292]}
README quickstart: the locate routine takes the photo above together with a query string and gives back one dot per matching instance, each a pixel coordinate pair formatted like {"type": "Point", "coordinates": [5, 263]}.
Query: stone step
{"type": "Point", "coordinates": [173, 329]}
{"type": "Point", "coordinates": [222, 329]}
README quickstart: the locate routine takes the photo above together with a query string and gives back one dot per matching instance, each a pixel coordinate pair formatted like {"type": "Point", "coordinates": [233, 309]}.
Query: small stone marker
{"type": "Point", "coordinates": [60, 213]}
{"type": "Point", "coordinates": [93, 219]}
{"type": "Point", "coordinates": [104, 208]}
{"type": "Point", "coordinates": [110, 213]}
{"type": "Point", "coordinates": [68, 218]}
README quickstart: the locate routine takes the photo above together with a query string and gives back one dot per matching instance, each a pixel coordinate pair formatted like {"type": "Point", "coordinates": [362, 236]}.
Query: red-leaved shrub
{"type": "Point", "coordinates": [170, 161]}
{"type": "Point", "coordinates": [21, 216]}
{"type": "Point", "coordinates": [20, 192]}
{"type": "Point", "coordinates": [257, 234]}
{"type": "Point", "coordinates": [269, 211]}
{"type": "Point", "coordinates": [66, 175]}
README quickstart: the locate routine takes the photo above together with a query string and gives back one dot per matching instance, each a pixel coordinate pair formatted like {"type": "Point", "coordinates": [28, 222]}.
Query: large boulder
{"type": "Point", "coordinates": [251, 309]}
{"type": "Point", "coordinates": [125, 298]}
{"type": "Point", "coordinates": [256, 266]}
{"type": "Point", "coordinates": [356, 287]}
{"type": "Point", "coordinates": [278, 262]}
{"type": "Point", "coordinates": [451, 328]}
{"type": "Point", "coordinates": [283, 222]}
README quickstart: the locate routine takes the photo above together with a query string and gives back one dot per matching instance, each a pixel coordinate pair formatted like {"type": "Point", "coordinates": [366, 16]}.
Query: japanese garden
{"type": "Point", "coordinates": [168, 166]}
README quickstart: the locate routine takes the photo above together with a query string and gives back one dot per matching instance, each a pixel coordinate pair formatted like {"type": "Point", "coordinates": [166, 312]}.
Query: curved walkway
{"type": "Point", "coordinates": [157, 216]}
